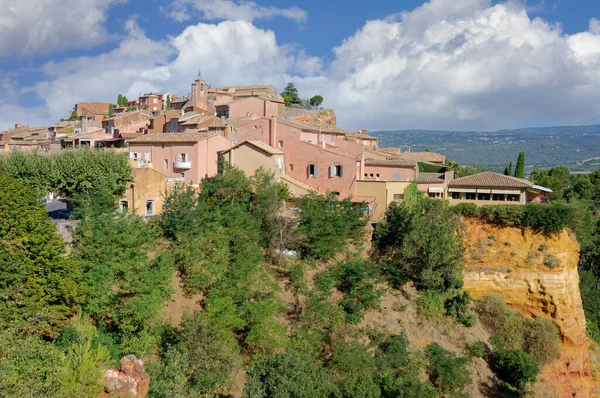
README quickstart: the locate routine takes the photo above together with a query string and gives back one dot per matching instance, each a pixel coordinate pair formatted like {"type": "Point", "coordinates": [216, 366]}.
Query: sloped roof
{"type": "Point", "coordinates": [431, 157]}
{"type": "Point", "coordinates": [300, 184]}
{"type": "Point", "coordinates": [402, 162]}
{"type": "Point", "coordinates": [431, 178]}
{"type": "Point", "coordinates": [323, 128]}
{"type": "Point", "coordinates": [187, 136]}
{"type": "Point", "coordinates": [490, 179]}
{"type": "Point", "coordinates": [260, 145]}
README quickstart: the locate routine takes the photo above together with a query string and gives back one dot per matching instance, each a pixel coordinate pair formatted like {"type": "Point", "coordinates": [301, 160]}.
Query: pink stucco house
{"type": "Point", "coordinates": [189, 156]}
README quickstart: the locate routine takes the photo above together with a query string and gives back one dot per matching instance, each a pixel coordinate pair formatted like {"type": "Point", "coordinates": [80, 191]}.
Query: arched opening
{"type": "Point", "coordinates": [123, 206]}
{"type": "Point", "coordinates": [150, 207]}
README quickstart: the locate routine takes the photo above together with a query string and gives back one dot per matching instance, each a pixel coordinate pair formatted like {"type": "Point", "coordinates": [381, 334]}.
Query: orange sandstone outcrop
{"type": "Point", "coordinates": [538, 276]}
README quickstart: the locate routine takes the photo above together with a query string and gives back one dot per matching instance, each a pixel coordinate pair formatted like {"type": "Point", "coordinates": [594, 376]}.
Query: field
{"type": "Point", "coordinates": [577, 147]}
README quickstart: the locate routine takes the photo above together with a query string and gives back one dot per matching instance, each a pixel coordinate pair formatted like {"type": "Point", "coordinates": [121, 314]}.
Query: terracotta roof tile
{"type": "Point", "coordinates": [187, 136]}
{"type": "Point", "coordinates": [426, 156]}
{"type": "Point", "coordinates": [391, 162]}
{"type": "Point", "coordinates": [490, 179]}
{"type": "Point", "coordinates": [431, 178]}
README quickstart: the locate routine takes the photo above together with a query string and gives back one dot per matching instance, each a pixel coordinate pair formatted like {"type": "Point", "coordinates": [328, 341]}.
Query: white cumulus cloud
{"type": "Point", "coordinates": [44, 26]}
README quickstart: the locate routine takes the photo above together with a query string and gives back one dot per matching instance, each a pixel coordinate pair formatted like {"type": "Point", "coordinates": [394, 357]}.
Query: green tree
{"type": "Point", "coordinates": [447, 371]}
{"type": "Point", "coordinates": [316, 101]}
{"type": "Point", "coordinates": [111, 110]}
{"type": "Point", "coordinates": [125, 101]}
{"type": "Point", "coordinates": [29, 367]}
{"type": "Point", "coordinates": [120, 100]}
{"type": "Point", "coordinates": [168, 102]}
{"type": "Point", "coordinates": [290, 95]}
{"type": "Point", "coordinates": [326, 225]}
{"type": "Point", "coordinates": [84, 362]}
{"type": "Point", "coordinates": [39, 284]}
{"type": "Point", "coordinates": [509, 169]}
{"type": "Point", "coordinates": [126, 287]}
{"type": "Point", "coordinates": [520, 169]}
{"type": "Point", "coordinates": [418, 240]}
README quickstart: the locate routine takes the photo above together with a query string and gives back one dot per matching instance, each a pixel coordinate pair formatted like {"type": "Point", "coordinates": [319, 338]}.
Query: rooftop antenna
{"type": "Point", "coordinates": [199, 74]}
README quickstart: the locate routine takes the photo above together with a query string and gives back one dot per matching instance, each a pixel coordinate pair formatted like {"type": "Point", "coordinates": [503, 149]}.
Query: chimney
{"type": "Point", "coordinates": [363, 132]}
{"type": "Point", "coordinates": [18, 125]}
{"type": "Point", "coordinates": [408, 149]}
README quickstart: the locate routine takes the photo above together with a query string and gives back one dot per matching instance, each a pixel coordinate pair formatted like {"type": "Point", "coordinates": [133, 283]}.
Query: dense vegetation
{"type": "Point", "coordinates": [68, 172]}
{"type": "Point", "coordinates": [65, 318]}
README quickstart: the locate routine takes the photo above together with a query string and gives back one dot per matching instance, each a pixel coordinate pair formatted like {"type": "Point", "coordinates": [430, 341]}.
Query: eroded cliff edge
{"type": "Point", "coordinates": [538, 276]}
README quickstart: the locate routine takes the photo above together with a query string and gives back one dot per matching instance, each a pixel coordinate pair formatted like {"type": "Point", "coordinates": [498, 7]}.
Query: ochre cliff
{"type": "Point", "coordinates": [538, 276]}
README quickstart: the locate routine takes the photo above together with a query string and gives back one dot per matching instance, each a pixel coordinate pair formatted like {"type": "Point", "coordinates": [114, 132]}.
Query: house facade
{"type": "Point", "coordinates": [489, 188]}
{"type": "Point", "coordinates": [251, 155]}
{"type": "Point", "coordinates": [145, 193]}
{"type": "Point", "coordinates": [188, 156]}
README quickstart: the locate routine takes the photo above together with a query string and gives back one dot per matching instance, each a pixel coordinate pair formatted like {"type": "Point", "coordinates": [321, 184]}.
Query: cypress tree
{"type": "Point", "coordinates": [520, 169]}
{"type": "Point", "coordinates": [510, 169]}
{"type": "Point", "coordinates": [120, 100]}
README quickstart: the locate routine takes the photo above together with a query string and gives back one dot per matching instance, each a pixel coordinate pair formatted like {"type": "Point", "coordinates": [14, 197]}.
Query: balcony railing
{"type": "Point", "coordinates": [182, 165]}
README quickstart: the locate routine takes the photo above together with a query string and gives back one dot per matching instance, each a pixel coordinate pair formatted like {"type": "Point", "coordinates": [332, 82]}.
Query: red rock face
{"type": "Point", "coordinates": [537, 275]}
{"type": "Point", "coordinates": [131, 381]}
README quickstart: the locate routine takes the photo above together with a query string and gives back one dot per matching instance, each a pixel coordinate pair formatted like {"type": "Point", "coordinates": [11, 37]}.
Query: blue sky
{"type": "Point", "coordinates": [444, 64]}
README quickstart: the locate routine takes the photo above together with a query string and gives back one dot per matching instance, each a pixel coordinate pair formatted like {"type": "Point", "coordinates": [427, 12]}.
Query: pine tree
{"type": "Point", "coordinates": [520, 170]}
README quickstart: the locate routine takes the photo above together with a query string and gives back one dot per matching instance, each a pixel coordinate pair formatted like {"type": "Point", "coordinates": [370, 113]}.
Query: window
{"type": "Point", "coordinates": [182, 175]}
{"type": "Point", "coordinates": [233, 141]}
{"type": "Point", "coordinates": [218, 130]}
{"type": "Point", "coordinates": [163, 146]}
{"type": "Point", "coordinates": [123, 206]}
{"type": "Point", "coordinates": [371, 175]}
{"type": "Point", "coordinates": [397, 177]}
{"type": "Point", "coordinates": [335, 193]}
{"type": "Point", "coordinates": [498, 197]}
{"type": "Point", "coordinates": [366, 175]}
{"type": "Point", "coordinates": [336, 171]}
{"type": "Point", "coordinates": [312, 171]}
{"type": "Point", "coordinates": [182, 157]}
{"type": "Point", "coordinates": [147, 156]}
{"type": "Point", "coordinates": [166, 163]}
{"type": "Point", "coordinates": [291, 167]}
{"type": "Point", "coordinates": [150, 207]}
{"type": "Point", "coordinates": [398, 197]}
{"type": "Point", "coordinates": [483, 196]}
{"type": "Point", "coordinates": [280, 144]}
{"type": "Point", "coordinates": [230, 129]}
{"type": "Point", "coordinates": [513, 198]}
{"type": "Point", "coordinates": [435, 195]}
{"type": "Point", "coordinates": [155, 100]}
{"type": "Point", "coordinates": [470, 196]}
{"type": "Point", "coordinates": [455, 195]}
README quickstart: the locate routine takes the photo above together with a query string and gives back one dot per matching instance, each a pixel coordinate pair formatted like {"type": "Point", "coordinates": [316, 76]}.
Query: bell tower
{"type": "Point", "coordinates": [199, 92]}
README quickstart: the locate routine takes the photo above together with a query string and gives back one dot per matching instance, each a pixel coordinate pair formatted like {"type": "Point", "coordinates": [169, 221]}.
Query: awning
{"type": "Point", "coordinates": [506, 191]}
{"type": "Point", "coordinates": [543, 189]}
{"type": "Point", "coordinates": [468, 190]}
{"type": "Point", "coordinates": [436, 189]}
{"type": "Point", "coordinates": [484, 190]}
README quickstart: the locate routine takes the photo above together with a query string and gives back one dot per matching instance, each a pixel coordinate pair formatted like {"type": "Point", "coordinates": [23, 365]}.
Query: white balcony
{"type": "Point", "coordinates": [182, 165]}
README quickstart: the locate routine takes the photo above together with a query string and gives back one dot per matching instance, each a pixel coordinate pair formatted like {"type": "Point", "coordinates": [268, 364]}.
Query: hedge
{"type": "Point", "coordinates": [546, 218]}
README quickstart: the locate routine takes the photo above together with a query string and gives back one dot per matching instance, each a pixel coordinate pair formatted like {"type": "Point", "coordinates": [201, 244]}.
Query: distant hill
{"type": "Point", "coordinates": [577, 147]}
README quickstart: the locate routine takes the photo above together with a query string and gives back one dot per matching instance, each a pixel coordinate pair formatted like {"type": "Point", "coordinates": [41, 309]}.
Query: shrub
{"type": "Point", "coordinates": [543, 247]}
{"type": "Point", "coordinates": [288, 374]}
{"type": "Point", "coordinates": [357, 279]}
{"type": "Point", "coordinates": [458, 307]}
{"type": "Point", "coordinates": [431, 304]}
{"type": "Point", "coordinates": [515, 367]}
{"type": "Point", "coordinates": [447, 372]}
{"type": "Point", "coordinates": [551, 261]}
{"type": "Point", "coordinates": [466, 209]}
{"type": "Point", "coordinates": [538, 337]}
{"type": "Point", "coordinates": [477, 349]}
{"type": "Point", "coordinates": [499, 319]}
{"type": "Point", "coordinates": [541, 340]}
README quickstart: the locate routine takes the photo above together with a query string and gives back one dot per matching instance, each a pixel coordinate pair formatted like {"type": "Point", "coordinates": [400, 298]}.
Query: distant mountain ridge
{"type": "Point", "coordinates": [577, 147]}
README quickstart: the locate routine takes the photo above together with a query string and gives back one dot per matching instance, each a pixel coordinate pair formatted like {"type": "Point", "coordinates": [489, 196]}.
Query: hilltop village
{"type": "Point", "coordinates": [171, 140]}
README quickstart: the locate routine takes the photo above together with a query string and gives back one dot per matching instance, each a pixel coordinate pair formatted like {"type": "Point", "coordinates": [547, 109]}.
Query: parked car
{"type": "Point", "coordinates": [64, 214]}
